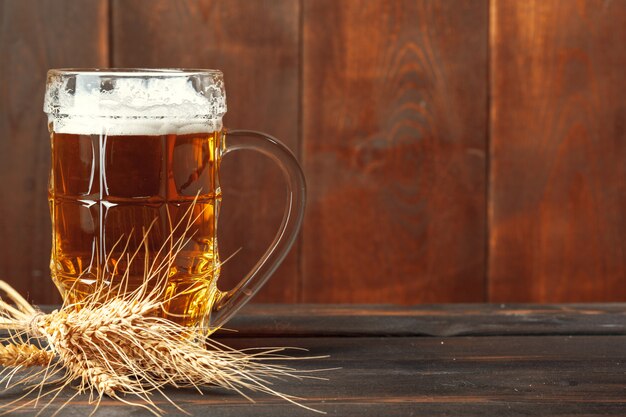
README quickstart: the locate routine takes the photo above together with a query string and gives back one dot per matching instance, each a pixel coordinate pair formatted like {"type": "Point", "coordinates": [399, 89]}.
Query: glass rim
{"type": "Point", "coordinates": [174, 97]}
{"type": "Point", "coordinates": [134, 72]}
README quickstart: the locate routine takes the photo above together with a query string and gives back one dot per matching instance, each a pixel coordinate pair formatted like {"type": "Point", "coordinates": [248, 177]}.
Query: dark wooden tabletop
{"type": "Point", "coordinates": [442, 360]}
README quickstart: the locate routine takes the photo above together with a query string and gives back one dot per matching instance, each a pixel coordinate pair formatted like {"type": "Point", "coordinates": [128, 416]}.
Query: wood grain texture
{"type": "Point", "coordinates": [445, 320]}
{"type": "Point", "coordinates": [399, 375]}
{"type": "Point", "coordinates": [441, 320]}
{"type": "Point", "coordinates": [558, 146]}
{"type": "Point", "coordinates": [394, 141]}
{"type": "Point", "coordinates": [465, 376]}
{"type": "Point", "coordinates": [387, 102]}
{"type": "Point", "coordinates": [36, 36]}
{"type": "Point", "coordinates": [255, 43]}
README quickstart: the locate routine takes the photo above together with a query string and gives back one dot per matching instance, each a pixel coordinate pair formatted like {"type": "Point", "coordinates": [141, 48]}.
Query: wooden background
{"type": "Point", "coordinates": [454, 150]}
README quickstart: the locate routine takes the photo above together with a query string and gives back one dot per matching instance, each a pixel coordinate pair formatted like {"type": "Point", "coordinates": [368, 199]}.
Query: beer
{"type": "Point", "coordinates": [106, 192]}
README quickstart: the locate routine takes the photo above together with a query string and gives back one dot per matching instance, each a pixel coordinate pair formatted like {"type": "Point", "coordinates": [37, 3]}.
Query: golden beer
{"type": "Point", "coordinates": [106, 192]}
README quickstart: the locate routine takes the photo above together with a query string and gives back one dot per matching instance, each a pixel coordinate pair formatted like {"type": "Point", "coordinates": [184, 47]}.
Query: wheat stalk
{"type": "Point", "coordinates": [114, 345]}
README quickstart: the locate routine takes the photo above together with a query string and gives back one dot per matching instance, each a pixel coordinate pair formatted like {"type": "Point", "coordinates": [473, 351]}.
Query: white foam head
{"type": "Point", "coordinates": [135, 102]}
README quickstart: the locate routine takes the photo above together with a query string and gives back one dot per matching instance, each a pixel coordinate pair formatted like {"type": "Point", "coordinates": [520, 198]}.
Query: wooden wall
{"type": "Point", "coordinates": [455, 150]}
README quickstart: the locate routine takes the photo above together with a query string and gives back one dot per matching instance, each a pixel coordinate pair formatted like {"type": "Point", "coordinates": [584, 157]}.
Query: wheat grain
{"type": "Point", "coordinates": [24, 354]}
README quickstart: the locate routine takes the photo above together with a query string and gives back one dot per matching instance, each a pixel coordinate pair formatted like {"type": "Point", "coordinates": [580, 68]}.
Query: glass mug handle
{"type": "Point", "coordinates": [229, 302]}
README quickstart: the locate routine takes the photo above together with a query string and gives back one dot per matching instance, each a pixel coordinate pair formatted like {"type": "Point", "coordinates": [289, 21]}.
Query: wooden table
{"type": "Point", "coordinates": [445, 360]}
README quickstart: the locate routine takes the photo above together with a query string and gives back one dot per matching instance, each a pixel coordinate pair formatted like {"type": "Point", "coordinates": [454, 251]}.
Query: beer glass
{"type": "Point", "coordinates": [136, 153]}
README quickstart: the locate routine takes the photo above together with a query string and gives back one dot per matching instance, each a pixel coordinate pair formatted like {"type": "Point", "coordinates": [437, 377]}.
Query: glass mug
{"type": "Point", "coordinates": [134, 153]}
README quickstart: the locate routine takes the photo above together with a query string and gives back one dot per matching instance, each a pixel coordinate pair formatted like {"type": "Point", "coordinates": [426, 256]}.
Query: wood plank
{"type": "Point", "coordinates": [394, 141]}
{"type": "Point", "coordinates": [539, 376]}
{"type": "Point", "coordinates": [310, 320]}
{"type": "Point", "coordinates": [439, 320]}
{"type": "Point", "coordinates": [36, 36]}
{"type": "Point", "coordinates": [558, 178]}
{"type": "Point", "coordinates": [255, 43]}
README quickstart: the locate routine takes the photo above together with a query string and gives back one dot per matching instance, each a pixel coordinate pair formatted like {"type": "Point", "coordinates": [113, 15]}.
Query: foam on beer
{"type": "Point", "coordinates": [134, 106]}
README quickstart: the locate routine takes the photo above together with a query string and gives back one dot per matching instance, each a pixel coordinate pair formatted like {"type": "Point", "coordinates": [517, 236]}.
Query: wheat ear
{"type": "Point", "coordinates": [113, 344]}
